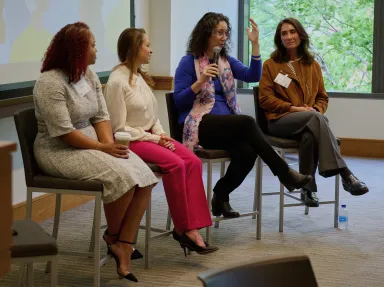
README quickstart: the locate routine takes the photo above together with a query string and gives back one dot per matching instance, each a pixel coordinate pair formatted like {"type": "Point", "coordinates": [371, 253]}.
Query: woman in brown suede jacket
{"type": "Point", "coordinates": [293, 96]}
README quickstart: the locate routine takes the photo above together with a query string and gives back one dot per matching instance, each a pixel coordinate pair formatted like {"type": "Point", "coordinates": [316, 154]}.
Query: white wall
{"type": "Point", "coordinates": [186, 14]}
{"type": "Point", "coordinates": [142, 11]}
{"type": "Point", "coordinates": [356, 118]}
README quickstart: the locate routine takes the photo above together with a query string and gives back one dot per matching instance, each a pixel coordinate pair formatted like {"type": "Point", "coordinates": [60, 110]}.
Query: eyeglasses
{"type": "Point", "coordinates": [221, 33]}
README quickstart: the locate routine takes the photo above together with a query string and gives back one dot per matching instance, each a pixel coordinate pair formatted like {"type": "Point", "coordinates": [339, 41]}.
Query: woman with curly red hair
{"type": "Point", "coordinates": [75, 139]}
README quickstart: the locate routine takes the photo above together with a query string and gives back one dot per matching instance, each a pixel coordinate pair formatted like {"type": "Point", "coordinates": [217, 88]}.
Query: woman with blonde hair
{"type": "Point", "coordinates": [133, 108]}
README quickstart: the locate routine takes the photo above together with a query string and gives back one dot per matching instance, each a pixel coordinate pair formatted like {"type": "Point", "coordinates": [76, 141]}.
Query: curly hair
{"type": "Point", "coordinates": [198, 40]}
{"type": "Point", "coordinates": [128, 45]}
{"type": "Point", "coordinates": [68, 51]}
{"type": "Point", "coordinates": [280, 55]}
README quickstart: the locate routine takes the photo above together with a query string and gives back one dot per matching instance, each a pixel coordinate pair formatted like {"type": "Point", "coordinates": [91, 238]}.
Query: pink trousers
{"type": "Point", "coordinates": [183, 183]}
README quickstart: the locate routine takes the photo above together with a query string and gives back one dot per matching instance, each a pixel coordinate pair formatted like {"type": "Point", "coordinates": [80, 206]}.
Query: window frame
{"type": "Point", "coordinates": [377, 59]}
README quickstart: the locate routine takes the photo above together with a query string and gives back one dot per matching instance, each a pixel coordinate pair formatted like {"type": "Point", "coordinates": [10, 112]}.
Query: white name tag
{"type": "Point", "coordinates": [82, 87]}
{"type": "Point", "coordinates": [283, 80]}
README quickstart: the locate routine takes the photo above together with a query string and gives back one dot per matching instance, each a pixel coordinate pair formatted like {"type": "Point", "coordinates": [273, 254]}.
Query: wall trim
{"type": "Point", "coordinates": [362, 147]}
{"type": "Point", "coordinates": [10, 106]}
{"type": "Point", "coordinates": [163, 83]}
{"type": "Point", "coordinates": [43, 206]}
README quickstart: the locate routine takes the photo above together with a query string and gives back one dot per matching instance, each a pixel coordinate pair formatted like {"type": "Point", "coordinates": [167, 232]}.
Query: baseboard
{"type": "Point", "coordinates": [43, 206]}
{"type": "Point", "coordinates": [362, 147]}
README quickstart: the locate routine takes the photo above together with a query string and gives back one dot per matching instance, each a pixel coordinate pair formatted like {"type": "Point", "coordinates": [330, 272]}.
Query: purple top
{"type": "Point", "coordinates": [185, 77]}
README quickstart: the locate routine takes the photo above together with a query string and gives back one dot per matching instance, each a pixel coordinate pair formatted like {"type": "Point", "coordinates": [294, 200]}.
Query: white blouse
{"type": "Point", "coordinates": [133, 109]}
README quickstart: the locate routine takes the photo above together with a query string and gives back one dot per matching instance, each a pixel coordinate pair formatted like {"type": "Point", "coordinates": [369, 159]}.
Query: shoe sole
{"type": "Point", "coordinates": [355, 193]}
{"type": "Point", "coordinates": [190, 248]}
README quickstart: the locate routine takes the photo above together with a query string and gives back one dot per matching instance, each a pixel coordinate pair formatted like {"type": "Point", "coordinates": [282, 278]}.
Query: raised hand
{"type": "Point", "coordinates": [253, 34]}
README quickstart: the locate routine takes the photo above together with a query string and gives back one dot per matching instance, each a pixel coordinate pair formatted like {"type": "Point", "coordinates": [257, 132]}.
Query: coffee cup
{"type": "Point", "coordinates": [123, 138]}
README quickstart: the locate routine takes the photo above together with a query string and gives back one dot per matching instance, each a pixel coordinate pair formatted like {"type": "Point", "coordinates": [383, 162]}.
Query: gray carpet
{"type": "Point", "coordinates": [353, 257]}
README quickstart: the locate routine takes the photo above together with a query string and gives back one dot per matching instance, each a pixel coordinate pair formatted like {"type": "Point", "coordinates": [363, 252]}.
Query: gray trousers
{"type": "Point", "coordinates": [318, 145]}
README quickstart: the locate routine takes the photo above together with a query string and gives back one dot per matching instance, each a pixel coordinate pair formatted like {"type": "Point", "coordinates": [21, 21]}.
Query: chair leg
{"type": "Point", "coordinates": [209, 197]}
{"type": "Point", "coordinates": [96, 252]}
{"type": "Point", "coordinates": [56, 222]}
{"type": "Point", "coordinates": [147, 233]}
{"type": "Point", "coordinates": [54, 272]}
{"type": "Point", "coordinates": [255, 201]}
{"type": "Point", "coordinates": [281, 215]}
{"type": "Point", "coordinates": [29, 204]}
{"type": "Point", "coordinates": [92, 241]}
{"type": "Point", "coordinates": [30, 274]}
{"type": "Point", "coordinates": [337, 201]}
{"type": "Point", "coordinates": [259, 196]}
{"type": "Point", "coordinates": [306, 210]}
{"type": "Point", "coordinates": [20, 275]}
{"type": "Point", "coordinates": [169, 221]}
{"type": "Point", "coordinates": [222, 172]}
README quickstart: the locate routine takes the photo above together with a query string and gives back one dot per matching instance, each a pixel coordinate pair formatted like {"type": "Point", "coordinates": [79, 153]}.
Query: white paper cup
{"type": "Point", "coordinates": [123, 138]}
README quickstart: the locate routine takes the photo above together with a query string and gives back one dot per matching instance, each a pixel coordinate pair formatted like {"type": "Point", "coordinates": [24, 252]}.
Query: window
{"type": "Point", "coordinates": [341, 34]}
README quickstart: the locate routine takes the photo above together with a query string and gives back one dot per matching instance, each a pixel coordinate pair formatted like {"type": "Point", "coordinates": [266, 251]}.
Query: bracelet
{"type": "Point", "coordinates": [256, 57]}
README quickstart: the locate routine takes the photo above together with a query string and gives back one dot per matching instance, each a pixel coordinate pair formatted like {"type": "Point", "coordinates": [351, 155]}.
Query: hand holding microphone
{"type": "Point", "coordinates": [211, 71]}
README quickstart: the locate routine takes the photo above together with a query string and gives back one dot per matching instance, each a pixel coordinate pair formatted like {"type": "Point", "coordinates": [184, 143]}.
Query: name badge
{"type": "Point", "coordinates": [82, 87]}
{"type": "Point", "coordinates": [283, 80]}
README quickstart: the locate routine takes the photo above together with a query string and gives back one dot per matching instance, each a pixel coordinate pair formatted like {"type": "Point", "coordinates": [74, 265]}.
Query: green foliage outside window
{"type": "Point", "coordinates": [341, 33]}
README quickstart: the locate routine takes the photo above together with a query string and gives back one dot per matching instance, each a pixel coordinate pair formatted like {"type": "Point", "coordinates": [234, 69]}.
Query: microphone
{"type": "Point", "coordinates": [216, 56]}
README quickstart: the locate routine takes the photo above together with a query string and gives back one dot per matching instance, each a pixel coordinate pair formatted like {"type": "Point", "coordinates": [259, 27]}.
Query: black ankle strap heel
{"type": "Point", "coordinates": [136, 254]}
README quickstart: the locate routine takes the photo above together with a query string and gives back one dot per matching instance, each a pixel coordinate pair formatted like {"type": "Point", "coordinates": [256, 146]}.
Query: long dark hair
{"type": "Point", "coordinates": [128, 45]}
{"type": "Point", "coordinates": [280, 54]}
{"type": "Point", "coordinates": [68, 51]}
{"type": "Point", "coordinates": [198, 40]}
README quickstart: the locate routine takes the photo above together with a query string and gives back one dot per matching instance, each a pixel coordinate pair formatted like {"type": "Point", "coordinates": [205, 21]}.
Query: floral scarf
{"type": "Point", "coordinates": [205, 100]}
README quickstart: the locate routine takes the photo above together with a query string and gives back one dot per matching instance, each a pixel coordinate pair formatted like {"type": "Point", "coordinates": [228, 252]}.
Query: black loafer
{"type": "Point", "coordinates": [220, 207]}
{"type": "Point", "coordinates": [309, 198]}
{"type": "Point", "coordinates": [354, 185]}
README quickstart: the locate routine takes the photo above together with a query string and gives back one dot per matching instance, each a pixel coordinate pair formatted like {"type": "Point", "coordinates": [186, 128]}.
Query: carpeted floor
{"type": "Point", "coordinates": [353, 257]}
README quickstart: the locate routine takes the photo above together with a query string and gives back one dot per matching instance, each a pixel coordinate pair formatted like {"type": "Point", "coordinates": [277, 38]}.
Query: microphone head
{"type": "Point", "coordinates": [216, 54]}
{"type": "Point", "coordinates": [217, 50]}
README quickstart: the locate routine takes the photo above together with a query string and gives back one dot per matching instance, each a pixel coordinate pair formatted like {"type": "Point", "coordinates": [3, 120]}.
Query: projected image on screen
{"type": "Point", "coordinates": [27, 27]}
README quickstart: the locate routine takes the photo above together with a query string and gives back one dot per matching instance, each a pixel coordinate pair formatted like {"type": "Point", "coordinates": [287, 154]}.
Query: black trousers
{"type": "Point", "coordinates": [242, 137]}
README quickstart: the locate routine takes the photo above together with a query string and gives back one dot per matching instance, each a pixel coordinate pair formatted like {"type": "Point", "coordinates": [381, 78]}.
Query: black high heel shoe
{"type": "Point", "coordinates": [136, 254]}
{"type": "Point", "coordinates": [293, 180]}
{"type": "Point", "coordinates": [128, 276]}
{"type": "Point", "coordinates": [187, 243]}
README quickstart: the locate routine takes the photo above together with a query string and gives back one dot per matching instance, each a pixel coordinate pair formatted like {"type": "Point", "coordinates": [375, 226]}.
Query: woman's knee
{"type": "Point", "coordinates": [247, 121]}
{"type": "Point", "coordinates": [177, 164]}
{"type": "Point", "coordinates": [308, 136]}
{"type": "Point", "coordinates": [247, 152]}
{"type": "Point", "coordinates": [194, 162]}
{"type": "Point", "coordinates": [319, 116]}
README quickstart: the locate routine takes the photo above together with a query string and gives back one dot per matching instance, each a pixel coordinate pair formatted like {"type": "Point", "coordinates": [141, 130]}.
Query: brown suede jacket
{"type": "Point", "coordinates": [277, 100]}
